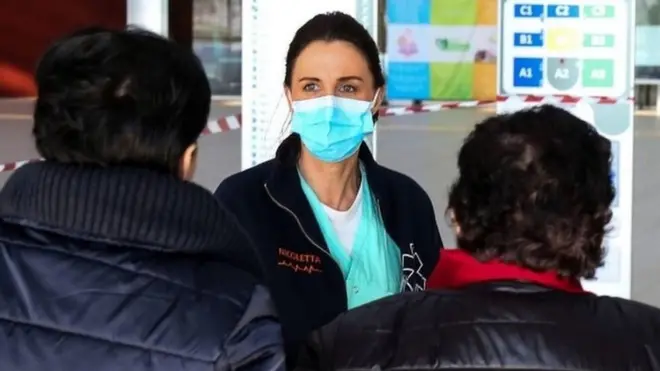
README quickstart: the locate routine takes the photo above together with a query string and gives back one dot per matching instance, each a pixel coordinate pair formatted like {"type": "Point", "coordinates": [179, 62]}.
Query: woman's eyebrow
{"type": "Point", "coordinates": [343, 78]}
{"type": "Point", "coordinates": [347, 78]}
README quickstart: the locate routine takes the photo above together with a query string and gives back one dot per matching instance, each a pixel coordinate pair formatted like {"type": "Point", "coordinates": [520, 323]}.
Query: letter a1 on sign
{"type": "Point", "coordinates": [268, 28]}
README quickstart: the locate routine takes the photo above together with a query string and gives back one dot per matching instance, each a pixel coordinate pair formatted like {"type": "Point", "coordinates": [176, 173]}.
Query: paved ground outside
{"type": "Point", "coordinates": [423, 146]}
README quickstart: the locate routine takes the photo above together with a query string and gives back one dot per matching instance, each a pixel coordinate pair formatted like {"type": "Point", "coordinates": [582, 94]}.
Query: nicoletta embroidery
{"type": "Point", "coordinates": [305, 263]}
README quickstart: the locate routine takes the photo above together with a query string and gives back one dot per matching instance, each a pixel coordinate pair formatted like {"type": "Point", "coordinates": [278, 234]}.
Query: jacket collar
{"type": "Point", "coordinates": [284, 178]}
{"type": "Point", "coordinates": [283, 184]}
{"type": "Point", "coordinates": [130, 206]}
{"type": "Point", "coordinates": [457, 269]}
{"type": "Point", "coordinates": [288, 153]}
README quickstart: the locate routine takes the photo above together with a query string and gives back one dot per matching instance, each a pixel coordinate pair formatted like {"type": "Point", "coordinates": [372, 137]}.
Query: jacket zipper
{"type": "Point", "coordinates": [380, 213]}
{"type": "Point", "coordinates": [382, 220]}
{"type": "Point", "coordinates": [300, 225]}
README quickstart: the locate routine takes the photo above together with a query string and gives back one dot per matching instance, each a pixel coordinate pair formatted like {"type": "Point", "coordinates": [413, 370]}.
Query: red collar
{"type": "Point", "coordinates": [456, 268]}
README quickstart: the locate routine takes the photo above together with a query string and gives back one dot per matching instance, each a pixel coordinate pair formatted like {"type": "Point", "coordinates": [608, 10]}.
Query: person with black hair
{"type": "Point", "coordinates": [110, 257]}
{"type": "Point", "coordinates": [531, 209]}
{"type": "Point", "coordinates": [335, 229]}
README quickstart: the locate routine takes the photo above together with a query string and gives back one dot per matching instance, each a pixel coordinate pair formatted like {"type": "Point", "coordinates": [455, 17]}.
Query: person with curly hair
{"type": "Point", "coordinates": [530, 208]}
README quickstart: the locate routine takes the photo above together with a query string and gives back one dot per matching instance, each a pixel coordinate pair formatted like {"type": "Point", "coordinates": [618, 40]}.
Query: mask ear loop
{"type": "Point", "coordinates": [373, 101]}
{"type": "Point", "coordinates": [374, 134]}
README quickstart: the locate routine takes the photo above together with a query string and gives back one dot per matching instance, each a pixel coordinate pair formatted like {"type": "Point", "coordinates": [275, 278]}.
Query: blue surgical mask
{"type": "Point", "coordinates": [332, 128]}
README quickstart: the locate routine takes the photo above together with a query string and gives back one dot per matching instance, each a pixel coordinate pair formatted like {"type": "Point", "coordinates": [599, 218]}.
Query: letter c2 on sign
{"type": "Point", "coordinates": [562, 10]}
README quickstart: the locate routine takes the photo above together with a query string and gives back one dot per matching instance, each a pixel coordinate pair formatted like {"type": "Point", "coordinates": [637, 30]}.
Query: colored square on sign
{"type": "Point", "coordinates": [563, 11]}
{"type": "Point", "coordinates": [484, 82]}
{"type": "Point", "coordinates": [528, 10]}
{"type": "Point", "coordinates": [528, 39]}
{"type": "Point", "coordinates": [451, 81]}
{"type": "Point", "coordinates": [454, 12]}
{"type": "Point", "coordinates": [598, 73]}
{"type": "Point", "coordinates": [599, 11]}
{"type": "Point", "coordinates": [409, 11]}
{"type": "Point", "coordinates": [592, 40]}
{"type": "Point", "coordinates": [563, 39]}
{"type": "Point", "coordinates": [563, 73]}
{"type": "Point", "coordinates": [528, 72]}
{"type": "Point", "coordinates": [487, 13]}
{"type": "Point", "coordinates": [408, 80]}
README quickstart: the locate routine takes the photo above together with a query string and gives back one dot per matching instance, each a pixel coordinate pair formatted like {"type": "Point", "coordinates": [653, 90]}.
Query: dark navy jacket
{"type": "Point", "coordinates": [124, 269]}
{"type": "Point", "coordinates": [307, 285]}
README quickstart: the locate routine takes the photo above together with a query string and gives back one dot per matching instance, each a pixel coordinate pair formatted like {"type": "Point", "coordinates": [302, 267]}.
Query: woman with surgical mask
{"type": "Point", "coordinates": [333, 229]}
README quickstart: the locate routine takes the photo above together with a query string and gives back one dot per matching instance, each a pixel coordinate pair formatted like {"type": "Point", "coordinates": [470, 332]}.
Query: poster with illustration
{"type": "Point", "coordinates": [441, 49]}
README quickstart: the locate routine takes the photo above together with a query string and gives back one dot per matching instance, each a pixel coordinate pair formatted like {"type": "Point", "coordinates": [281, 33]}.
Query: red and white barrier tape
{"type": "Point", "coordinates": [234, 122]}
{"type": "Point", "coordinates": [562, 99]}
{"type": "Point", "coordinates": [11, 166]}
{"type": "Point", "coordinates": [223, 124]}
{"type": "Point", "coordinates": [435, 107]}
{"type": "Point", "coordinates": [556, 99]}
{"type": "Point", "coordinates": [220, 125]}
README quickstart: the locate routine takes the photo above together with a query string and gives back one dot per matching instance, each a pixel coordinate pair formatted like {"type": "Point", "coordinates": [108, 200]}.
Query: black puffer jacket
{"type": "Point", "coordinates": [490, 326]}
{"type": "Point", "coordinates": [125, 270]}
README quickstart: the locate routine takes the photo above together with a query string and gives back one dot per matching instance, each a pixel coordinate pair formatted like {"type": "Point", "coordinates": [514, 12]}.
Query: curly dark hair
{"type": "Point", "coordinates": [534, 189]}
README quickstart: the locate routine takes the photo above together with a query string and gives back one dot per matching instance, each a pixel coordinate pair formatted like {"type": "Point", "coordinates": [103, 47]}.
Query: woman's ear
{"type": "Point", "coordinates": [289, 100]}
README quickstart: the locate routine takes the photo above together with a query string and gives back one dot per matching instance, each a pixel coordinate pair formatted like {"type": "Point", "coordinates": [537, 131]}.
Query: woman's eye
{"type": "Point", "coordinates": [347, 89]}
{"type": "Point", "coordinates": [310, 87]}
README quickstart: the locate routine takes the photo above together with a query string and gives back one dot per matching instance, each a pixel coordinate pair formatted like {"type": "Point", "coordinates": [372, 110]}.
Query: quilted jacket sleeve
{"type": "Point", "coordinates": [313, 356]}
{"type": "Point", "coordinates": [256, 343]}
{"type": "Point", "coordinates": [309, 357]}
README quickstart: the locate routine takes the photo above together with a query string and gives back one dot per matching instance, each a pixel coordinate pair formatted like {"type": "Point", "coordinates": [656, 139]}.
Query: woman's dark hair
{"type": "Point", "coordinates": [119, 97]}
{"type": "Point", "coordinates": [333, 26]}
{"type": "Point", "coordinates": [534, 189]}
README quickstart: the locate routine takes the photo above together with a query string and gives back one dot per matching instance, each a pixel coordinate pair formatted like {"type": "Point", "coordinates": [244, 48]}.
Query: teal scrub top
{"type": "Point", "coordinates": [373, 268]}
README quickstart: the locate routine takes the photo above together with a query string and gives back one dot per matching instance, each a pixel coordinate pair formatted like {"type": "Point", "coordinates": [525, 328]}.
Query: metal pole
{"type": "Point", "coordinates": [152, 15]}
